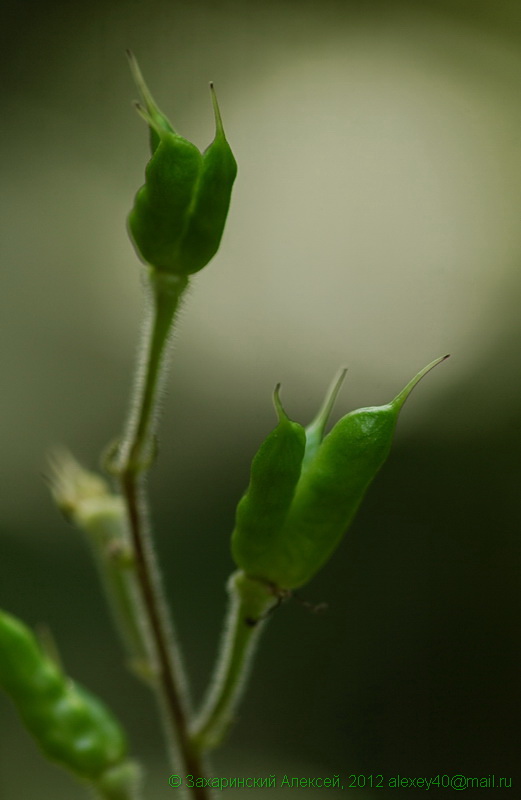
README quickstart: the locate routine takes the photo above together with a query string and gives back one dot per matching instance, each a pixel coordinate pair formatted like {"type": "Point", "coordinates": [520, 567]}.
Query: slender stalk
{"type": "Point", "coordinates": [135, 455]}
{"type": "Point", "coordinates": [87, 500]}
{"type": "Point", "coordinates": [136, 449]}
{"type": "Point", "coordinates": [250, 601]}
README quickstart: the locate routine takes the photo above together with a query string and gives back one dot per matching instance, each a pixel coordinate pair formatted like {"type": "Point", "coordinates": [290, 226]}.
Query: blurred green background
{"type": "Point", "coordinates": [374, 223]}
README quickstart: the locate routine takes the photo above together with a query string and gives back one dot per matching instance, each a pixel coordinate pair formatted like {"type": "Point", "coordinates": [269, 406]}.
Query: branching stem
{"type": "Point", "coordinates": [135, 456]}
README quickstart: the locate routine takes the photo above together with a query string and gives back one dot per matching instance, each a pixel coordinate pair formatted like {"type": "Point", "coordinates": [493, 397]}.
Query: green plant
{"type": "Point", "coordinates": [304, 491]}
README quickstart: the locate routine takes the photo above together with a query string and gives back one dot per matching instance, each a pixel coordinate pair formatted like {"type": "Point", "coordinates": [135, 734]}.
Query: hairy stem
{"type": "Point", "coordinates": [250, 601]}
{"type": "Point", "coordinates": [135, 455]}
{"type": "Point", "coordinates": [87, 501]}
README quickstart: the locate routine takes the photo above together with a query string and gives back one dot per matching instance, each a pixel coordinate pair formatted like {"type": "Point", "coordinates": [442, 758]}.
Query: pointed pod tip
{"type": "Point", "coordinates": [400, 398]}
{"type": "Point", "coordinates": [136, 72]}
{"type": "Point", "coordinates": [148, 108]}
{"type": "Point", "coordinates": [132, 61]}
{"type": "Point", "coordinates": [219, 130]}
{"type": "Point", "coordinates": [281, 414]}
{"type": "Point", "coordinates": [143, 113]}
{"type": "Point", "coordinates": [318, 424]}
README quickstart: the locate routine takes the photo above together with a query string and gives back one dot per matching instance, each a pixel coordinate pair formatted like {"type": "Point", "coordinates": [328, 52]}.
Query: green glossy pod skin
{"type": "Point", "coordinates": [329, 493]}
{"type": "Point", "coordinates": [262, 511]}
{"type": "Point", "coordinates": [71, 726]}
{"type": "Point", "coordinates": [286, 543]}
{"type": "Point", "coordinates": [178, 217]}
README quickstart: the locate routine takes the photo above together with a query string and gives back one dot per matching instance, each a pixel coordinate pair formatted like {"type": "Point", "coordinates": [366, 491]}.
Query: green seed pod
{"type": "Point", "coordinates": [275, 472]}
{"type": "Point", "coordinates": [178, 217]}
{"type": "Point", "coordinates": [71, 726]}
{"type": "Point", "coordinates": [333, 474]}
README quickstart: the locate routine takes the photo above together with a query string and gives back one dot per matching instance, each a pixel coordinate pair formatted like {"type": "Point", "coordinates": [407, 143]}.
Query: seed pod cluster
{"type": "Point", "coordinates": [71, 726]}
{"type": "Point", "coordinates": [178, 217]}
{"type": "Point", "coordinates": [304, 490]}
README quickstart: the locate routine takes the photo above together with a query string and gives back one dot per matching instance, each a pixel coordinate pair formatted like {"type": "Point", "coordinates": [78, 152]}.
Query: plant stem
{"type": "Point", "coordinates": [250, 601]}
{"type": "Point", "coordinates": [136, 449]}
{"type": "Point", "coordinates": [135, 455]}
{"type": "Point", "coordinates": [87, 501]}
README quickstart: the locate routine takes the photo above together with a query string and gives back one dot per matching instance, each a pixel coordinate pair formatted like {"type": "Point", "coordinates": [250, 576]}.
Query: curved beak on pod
{"type": "Point", "coordinates": [305, 488]}
{"type": "Point", "coordinates": [178, 217]}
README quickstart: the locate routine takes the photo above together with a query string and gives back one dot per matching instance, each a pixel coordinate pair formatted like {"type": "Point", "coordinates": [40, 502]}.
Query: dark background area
{"type": "Point", "coordinates": [374, 223]}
